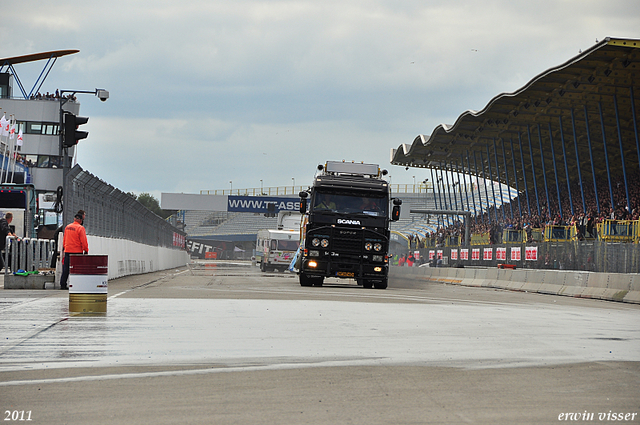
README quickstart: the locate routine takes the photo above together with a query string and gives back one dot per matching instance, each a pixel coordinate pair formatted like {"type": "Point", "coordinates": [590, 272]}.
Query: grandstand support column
{"type": "Point", "coordinates": [464, 178]}
{"type": "Point", "coordinates": [458, 185]}
{"type": "Point", "coordinates": [635, 123]}
{"type": "Point", "coordinates": [555, 170]}
{"type": "Point", "coordinates": [606, 156]}
{"type": "Point", "coordinates": [533, 170]}
{"type": "Point", "coordinates": [435, 199]}
{"type": "Point", "coordinates": [575, 142]}
{"type": "Point", "coordinates": [486, 195]}
{"type": "Point", "coordinates": [444, 195]}
{"type": "Point", "coordinates": [486, 191]}
{"type": "Point", "coordinates": [495, 155]}
{"type": "Point", "coordinates": [524, 174]}
{"type": "Point", "coordinates": [506, 177]}
{"type": "Point", "coordinates": [515, 177]}
{"type": "Point", "coordinates": [448, 192]}
{"type": "Point", "coordinates": [624, 168]}
{"type": "Point", "coordinates": [473, 197]}
{"type": "Point", "coordinates": [566, 168]}
{"type": "Point", "coordinates": [493, 189]}
{"type": "Point", "coordinates": [453, 185]}
{"type": "Point", "coordinates": [544, 173]}
{"type": "Point", "coordinates": [593, 170]}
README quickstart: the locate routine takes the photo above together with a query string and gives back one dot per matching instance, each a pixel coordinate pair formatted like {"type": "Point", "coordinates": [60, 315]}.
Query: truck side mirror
{"type": "Point", "coordinates": [303, 202]}
{"type": "Point", "coordinates": [395, 213]}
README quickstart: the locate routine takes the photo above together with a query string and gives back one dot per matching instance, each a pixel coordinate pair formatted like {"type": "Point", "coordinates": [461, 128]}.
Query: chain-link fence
{"type": "Point", "coordinates": [112, 213]}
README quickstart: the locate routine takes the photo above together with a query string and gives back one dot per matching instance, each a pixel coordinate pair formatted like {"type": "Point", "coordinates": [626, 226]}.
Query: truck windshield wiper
{"type": "Point", "coordinates": [369, 213]}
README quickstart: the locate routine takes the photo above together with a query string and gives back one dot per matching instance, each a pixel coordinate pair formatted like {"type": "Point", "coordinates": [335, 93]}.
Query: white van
{"type": "Point", "coordinates": [275, 249]}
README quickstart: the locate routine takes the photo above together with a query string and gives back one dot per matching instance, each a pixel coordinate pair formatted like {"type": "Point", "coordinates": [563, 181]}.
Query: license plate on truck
{"type": "Point", "coordinates": [346, 274]}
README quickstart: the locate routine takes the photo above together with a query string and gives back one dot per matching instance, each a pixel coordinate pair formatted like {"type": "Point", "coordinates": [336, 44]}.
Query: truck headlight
{"type": "Point", "coordinates": [315, 242]}
{"type": "Point", "coordinates": [324, 243]}
{"type": "Point", "coordinates": [312, 264]}
{"type": "Point", "coordinates": [368, 246]}
{"type": "Point", "coordinates": [377, 246]}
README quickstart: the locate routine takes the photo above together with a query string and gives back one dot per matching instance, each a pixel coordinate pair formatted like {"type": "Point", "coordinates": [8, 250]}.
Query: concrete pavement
{"type": "Point", "coordinates": [231, 345]}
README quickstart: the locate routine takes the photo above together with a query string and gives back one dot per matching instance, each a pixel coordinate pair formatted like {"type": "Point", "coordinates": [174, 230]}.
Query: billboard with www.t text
{"type": "Point", "coordinates": [260, 204]}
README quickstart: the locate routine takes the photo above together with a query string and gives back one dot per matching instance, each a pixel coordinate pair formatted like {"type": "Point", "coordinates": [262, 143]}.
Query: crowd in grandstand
{"type": "Point", "coordinates": [52, 96]}
{"type": "Point", "coordinates": [521, 214]}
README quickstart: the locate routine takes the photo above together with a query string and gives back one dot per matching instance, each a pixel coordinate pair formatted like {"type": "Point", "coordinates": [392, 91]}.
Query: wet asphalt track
{"type": "Point", "coordinates": [223, 343]}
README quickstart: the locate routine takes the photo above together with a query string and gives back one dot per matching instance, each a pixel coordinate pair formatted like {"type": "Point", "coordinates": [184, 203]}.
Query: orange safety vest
{"type": "Point", "coordinates": [75, 239]}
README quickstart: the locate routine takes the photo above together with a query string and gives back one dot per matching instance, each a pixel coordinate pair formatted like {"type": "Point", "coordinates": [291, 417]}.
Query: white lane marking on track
{"type": "Point", "coordinates": [89, 378]}
{"type": "Point", "coordinates": [357, 295]}
{"type": "Point", "coordinates": [145, 284]}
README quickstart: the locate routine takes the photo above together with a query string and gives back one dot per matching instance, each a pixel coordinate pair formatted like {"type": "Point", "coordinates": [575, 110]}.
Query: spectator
{"type": "Point", "coordinates": [73, 242]}
{"type": "Point", "coordinates": [5, 231]}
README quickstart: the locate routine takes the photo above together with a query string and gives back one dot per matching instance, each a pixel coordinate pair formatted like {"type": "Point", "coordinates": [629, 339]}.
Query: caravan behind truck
{"type": "Point", "coordinates": [276, 248]}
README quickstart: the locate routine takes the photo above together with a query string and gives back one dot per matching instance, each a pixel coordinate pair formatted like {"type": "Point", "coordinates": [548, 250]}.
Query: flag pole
{"type": "Point", "coordinates": [14, 151]}
{"type": "Point", "coordinates": [19, 143]}
{"type": "Point", "coordinates": [5, 158]}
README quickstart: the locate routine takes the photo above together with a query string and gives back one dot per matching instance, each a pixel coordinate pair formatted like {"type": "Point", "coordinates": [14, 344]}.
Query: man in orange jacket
{"type": "Point", "coordinates": [73, 242]}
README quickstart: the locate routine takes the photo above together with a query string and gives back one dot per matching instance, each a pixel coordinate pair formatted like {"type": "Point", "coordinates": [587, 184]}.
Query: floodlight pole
{"type": "Point", "coordinates": [62, 150]}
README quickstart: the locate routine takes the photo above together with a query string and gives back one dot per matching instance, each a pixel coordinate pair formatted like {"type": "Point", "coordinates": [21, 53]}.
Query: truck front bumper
{"type": "Point", "coordinates": [346, 270]}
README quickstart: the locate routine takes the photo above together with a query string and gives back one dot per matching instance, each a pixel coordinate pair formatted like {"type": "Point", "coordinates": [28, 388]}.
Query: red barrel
{"type": "Point", "coordinates": [88, 283]}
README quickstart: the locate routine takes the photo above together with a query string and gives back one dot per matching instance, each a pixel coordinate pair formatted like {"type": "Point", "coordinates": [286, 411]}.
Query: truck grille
{"type": "Point", "coordinates": [342, 244]}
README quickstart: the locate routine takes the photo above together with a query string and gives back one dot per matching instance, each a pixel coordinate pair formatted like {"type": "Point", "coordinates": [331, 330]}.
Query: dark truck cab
{"type": "Point", "coordinates": [345, 225]}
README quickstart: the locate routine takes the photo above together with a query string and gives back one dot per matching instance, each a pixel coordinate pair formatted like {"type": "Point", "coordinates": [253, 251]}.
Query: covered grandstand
{"type": "Point", "coordinates": [567, 141]}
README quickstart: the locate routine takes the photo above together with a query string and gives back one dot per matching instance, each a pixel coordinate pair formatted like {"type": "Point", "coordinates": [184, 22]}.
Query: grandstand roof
{"type": "Point", "coordinates": [36, 57]}
{"type": "Point", "coordinates": [541, 115]}
{"type": "Point", "coordinates": [51, 58]}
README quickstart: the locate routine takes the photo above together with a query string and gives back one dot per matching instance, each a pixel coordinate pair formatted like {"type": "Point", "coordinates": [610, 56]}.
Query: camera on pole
{"type": "Point", "coordinates": [71, 133]}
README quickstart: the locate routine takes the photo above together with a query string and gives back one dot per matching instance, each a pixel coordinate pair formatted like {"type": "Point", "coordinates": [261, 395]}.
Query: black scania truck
{"type": "Point", "coordinates": [345, 225]}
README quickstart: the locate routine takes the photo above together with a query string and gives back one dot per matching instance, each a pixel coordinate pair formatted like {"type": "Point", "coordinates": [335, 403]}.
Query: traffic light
{"type": "Point", "coordinates": [71, 133]}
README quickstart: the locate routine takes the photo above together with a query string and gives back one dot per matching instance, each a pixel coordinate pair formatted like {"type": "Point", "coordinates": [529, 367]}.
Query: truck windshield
{"type": "Point", "coordinates": [350, 204]}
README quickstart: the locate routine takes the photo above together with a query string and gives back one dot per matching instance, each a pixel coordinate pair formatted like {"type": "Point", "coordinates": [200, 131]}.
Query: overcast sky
{"type": "Point", "coordinates": [207, 92]}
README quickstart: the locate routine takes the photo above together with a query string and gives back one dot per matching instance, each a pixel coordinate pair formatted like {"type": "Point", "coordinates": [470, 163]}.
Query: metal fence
{"type": "Point", "coordinates": [112, 213]}
{"type": "Point", "coordinates": [27, 254]}
{"type": "Point", "coordinates": [594, 256]}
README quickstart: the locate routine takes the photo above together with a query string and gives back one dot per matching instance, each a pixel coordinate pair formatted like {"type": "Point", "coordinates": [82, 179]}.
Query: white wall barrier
{"type": "Point", "coordinates": [128, 257]}
{"type": "Point", "coordinates": [624, 287]}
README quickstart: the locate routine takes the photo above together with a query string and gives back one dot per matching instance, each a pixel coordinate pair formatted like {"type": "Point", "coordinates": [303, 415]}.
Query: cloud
{"type": "Point", "coordinates": [189, 156]}
{"type": "Point", "coordinates": [206, 92]}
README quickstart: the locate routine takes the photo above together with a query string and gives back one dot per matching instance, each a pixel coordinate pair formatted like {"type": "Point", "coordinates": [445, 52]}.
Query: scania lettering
{"type": "Point", "coordinates": [341, 221]}
{"type": "Point", "coordinates": [345, 225]}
